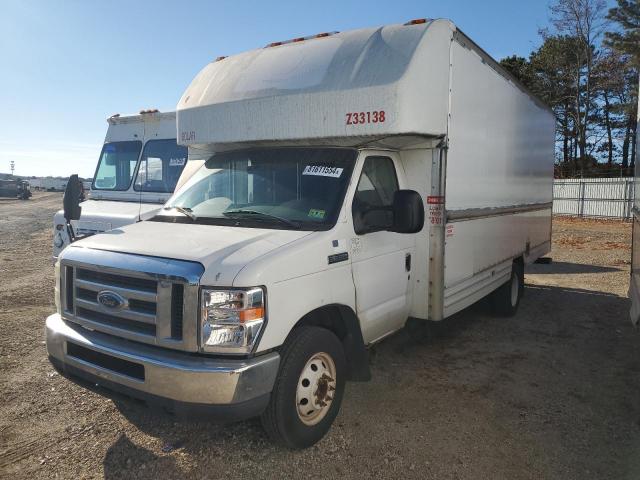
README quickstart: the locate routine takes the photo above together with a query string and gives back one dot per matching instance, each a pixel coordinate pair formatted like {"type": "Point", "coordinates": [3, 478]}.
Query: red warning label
{"type": "Point", "coordinates": [435, 200]}
{"type": "Point", "coordinates": [449, 231]}
{"type": "Point", "coordinates": [436, 209]}
{"type": "Point", "coordinates": [436, 213]}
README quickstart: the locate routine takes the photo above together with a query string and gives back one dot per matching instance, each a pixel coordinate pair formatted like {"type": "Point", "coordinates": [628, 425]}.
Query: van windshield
{"type": "Point", "coordinates": [117, 164]}
{"type": "Point", "coordinates": [301, 188]}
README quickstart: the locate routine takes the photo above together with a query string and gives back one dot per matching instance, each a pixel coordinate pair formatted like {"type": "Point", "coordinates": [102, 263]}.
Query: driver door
{"type": "Point", "coordinates": [381, 260]}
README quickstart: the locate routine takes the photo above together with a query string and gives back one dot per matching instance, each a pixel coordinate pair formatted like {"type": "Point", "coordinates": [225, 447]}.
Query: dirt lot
{"type": "Point", "coordinates": [551, 393]}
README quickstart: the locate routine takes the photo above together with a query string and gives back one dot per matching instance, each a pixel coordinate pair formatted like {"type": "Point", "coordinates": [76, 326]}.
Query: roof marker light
{"type": "Point", "coordinates": [151, 110]}
{"type": "Point", "coordinates": [417, 21]}
{"type": "Point", "coordinates": [326, 34]}
{"type": "Point", "coordinates": [221, 58]}
{"type": "Point", "coordinates": [301, 39]}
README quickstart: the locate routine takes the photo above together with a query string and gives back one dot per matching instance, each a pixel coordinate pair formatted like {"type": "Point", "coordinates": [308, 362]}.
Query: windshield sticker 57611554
{"type": "Point", "coordinates": [322, 171]}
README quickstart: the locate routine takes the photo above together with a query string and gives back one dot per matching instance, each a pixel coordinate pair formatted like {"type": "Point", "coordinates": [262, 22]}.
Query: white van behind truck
{"type": "Point", "coordinates": [139, 166]}
{"type": "Point", "coordinates": [352, 181]}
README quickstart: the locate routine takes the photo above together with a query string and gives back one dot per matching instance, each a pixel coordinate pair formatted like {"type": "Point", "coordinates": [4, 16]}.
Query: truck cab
{"type": "Point", "coordinates": [139, 166]}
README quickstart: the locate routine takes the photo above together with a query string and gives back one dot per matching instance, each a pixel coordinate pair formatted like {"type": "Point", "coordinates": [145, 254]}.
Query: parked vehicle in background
{"type": "Point", "coordinates": [139, 167]}
{"type": "Point", "coordinates": [15, 188]}
{"type": "Point", "coordinates": [49, 184]}
{"type": "Point", "coordinates": [634, 280]}
{"type": "Point", "coordinates": [303, 238]}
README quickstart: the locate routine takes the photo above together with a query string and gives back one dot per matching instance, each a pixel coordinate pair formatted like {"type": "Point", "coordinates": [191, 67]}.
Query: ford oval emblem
{"type": "Point", "coordinates": [111, 300]}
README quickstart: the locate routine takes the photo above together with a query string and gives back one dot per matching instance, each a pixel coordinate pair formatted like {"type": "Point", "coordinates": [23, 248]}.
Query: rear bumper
{"type": "Point", "coordinates": [229, 389]}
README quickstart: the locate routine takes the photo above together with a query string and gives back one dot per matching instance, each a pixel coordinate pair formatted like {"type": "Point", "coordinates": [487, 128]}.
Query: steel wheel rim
{"type": "Point", "coordinates": [316, 389]}
{"type": "Point", "coordinates": [515, 287]}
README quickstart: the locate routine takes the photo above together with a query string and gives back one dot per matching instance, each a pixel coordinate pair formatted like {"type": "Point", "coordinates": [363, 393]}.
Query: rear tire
{"type": "Point", "coordinates": [309, 388]}
{"type": "Point", "coordinates": [506, 299]}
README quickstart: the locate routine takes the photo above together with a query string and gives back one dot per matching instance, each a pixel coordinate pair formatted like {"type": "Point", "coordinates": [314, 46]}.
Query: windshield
{"type": "Point", "coordinates": [270, 188]}
{"type": "Point", "coordinates": [160, 167]}
{"type": "Point", "coordinates": [116, 166]}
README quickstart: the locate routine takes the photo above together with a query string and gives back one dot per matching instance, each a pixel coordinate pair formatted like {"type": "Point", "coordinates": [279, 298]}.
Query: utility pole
{"type": "Point", "coordinates": [13, 166]}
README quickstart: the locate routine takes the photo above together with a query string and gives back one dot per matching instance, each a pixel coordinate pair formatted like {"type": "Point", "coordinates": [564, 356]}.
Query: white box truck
{"type": "Point", "coordinates": [138, 169]}
{"type": "Point", "coordinates": [634, 279]}
{"type": "Point", "coordinates": [351, 181]}
{"type": "Point", "coordinates": [49, 184]}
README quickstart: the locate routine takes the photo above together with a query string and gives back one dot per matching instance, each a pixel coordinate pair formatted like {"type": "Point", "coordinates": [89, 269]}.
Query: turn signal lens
{"type": "Point", "coordinates": [251, 314]}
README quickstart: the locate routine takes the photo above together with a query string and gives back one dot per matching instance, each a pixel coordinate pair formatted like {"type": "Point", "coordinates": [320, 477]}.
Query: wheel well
{"type": "Point", "coordinates": [343, 322]}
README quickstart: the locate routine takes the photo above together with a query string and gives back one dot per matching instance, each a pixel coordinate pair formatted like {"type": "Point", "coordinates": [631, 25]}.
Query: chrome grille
{"type": "Point", "coordinates": [140, 294]}
{"type": "Point", "coordinates": [152, 300]}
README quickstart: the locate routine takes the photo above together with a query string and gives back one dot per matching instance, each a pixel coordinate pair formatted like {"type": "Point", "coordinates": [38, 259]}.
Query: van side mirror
{"type": "Point", "coordinates": [408, 212]}
{"type": "Point", "coordinates": [71, 199]}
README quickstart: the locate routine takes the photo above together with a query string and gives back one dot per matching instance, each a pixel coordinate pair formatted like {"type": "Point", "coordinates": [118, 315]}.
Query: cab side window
{"type": "Point", "coordinates": [373, 202]}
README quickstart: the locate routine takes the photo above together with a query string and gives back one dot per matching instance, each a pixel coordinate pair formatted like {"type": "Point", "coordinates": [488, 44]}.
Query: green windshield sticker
{"type": "Point", "coordinates": [315, 213]}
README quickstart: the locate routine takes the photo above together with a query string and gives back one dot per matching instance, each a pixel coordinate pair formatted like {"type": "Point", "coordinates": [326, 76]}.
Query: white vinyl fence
{"type": "Point", "coordinates": [594, 197]}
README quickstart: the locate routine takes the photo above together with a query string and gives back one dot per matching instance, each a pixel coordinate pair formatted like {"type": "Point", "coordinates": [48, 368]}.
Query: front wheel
{"type": "Point", "coordinates": [308, 392]}
{"type": "Point", "coordinates": [506, 299]}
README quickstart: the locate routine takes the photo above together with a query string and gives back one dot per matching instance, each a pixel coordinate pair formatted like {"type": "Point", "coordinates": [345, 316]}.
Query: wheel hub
{"type": "Point", "coordinates": [316, 388]}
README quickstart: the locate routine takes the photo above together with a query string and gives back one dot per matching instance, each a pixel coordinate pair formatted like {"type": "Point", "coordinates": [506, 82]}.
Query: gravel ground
{"type": "Point", "coordinates": [550, 393]}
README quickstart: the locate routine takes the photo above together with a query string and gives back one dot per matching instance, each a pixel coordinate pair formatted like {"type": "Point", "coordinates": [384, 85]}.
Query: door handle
{"type": "Point", "coordinates": [407, 262]}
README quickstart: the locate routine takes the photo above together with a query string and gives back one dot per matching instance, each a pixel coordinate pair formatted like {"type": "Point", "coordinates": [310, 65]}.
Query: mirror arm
{"type": "Point", "coordinates": [70, 232]}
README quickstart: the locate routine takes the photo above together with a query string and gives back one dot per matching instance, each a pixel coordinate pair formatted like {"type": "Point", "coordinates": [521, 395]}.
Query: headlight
{"type": "Point", "coordinates": [231, 320]}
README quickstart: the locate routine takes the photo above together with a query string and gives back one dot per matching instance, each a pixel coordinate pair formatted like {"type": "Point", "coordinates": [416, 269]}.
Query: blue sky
{"type": "Point", "coordinates": [69, 64]}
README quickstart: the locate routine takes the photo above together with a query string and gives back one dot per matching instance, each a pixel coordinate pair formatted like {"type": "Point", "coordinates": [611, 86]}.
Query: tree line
{"type": "Point", "coordinates": [587, 71]}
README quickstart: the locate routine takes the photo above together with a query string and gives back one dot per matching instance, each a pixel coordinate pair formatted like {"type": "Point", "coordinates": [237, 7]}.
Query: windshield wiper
{"type": "Point", "coordinates": [243, 212]}
{"type": "Point", "coordinates": [183, 210]}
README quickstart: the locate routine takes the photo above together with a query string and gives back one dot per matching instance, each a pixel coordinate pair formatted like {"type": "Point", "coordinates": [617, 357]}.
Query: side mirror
{"type": "Point", "coordinates": [408, 212]}
{"type": "Point", "coordinates": [71, 199]}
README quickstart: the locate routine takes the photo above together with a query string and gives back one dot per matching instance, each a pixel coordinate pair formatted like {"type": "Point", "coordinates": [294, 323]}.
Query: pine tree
{"type": "Point", "coordinates": [626, 42]}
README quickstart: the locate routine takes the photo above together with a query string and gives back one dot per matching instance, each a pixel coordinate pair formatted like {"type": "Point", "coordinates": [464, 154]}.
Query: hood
{"type": "Point", "coordinates": [223, 251]}
{"type": "Point", "coordinates": [101, 215]}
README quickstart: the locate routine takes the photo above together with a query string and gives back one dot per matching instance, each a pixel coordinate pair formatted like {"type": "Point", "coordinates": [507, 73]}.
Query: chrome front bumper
{"type": "Point", "coordinates": [153, 373]}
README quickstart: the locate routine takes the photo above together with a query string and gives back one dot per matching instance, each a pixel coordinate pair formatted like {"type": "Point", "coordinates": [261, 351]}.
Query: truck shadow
{"type": "Point", "coordinates": [177, 435]}
{"type": "Point", "coordinates": [556, 268]}
{"type": "Point", "coordinates": [565, 308]}
{"type": "Point", "coordinates": [124, 459]}
{"type": "Point", "coordinates": [446, 357]}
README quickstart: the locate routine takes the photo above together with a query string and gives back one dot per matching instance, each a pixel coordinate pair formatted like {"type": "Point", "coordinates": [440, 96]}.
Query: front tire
{"type": "Point", "coordinates": [506, 299]}
{"type": "Point", "coordinates": [309, 388]}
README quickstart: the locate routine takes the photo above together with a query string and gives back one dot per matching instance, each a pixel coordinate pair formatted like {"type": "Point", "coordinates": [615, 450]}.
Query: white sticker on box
{"type": "Point", "coordinates": [322, 171]}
